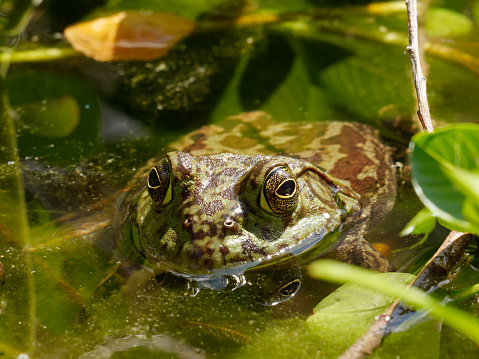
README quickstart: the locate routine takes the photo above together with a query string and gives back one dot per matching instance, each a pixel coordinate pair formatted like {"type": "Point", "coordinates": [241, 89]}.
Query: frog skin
{"type": "Point", "coordinates": [249, 192]}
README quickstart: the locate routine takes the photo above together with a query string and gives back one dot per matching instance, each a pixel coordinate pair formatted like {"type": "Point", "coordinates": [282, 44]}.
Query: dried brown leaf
{"type": "Point", "coordinates": [129, 35]}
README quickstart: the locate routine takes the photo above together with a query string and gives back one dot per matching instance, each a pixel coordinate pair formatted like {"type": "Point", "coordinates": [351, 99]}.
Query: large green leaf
{"type": "Point", "coordinates": [445, 167]}
{"type": "Point", "coordinates": [342, 273]}
{"type": "Point", "coordinates": [372, 88]}
{"type": "Point", "coordinates": [274, 80]}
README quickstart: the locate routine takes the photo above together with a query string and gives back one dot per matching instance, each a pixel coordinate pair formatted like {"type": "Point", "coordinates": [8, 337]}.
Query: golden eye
{"type": "Point", "coordinates": [280, 192]}
{"type": "Point", "coordinates": [159, 183]}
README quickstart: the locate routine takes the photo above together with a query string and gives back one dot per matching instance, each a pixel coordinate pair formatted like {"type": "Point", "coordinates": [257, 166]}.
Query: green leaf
{"type": "Point", "coordinates": [466, 181]}
{"type": "Point", "coordinates": [342, 317]}
{"type": "Point", "coordinates": [470, 210]}
{"type": "Point", "coordinates": [444, 168]}
{"type": "Point", "coordinates": [336, 272]}
{"type": "Point", "coordinates": [407, 341]}
{"type": "Point", "coordinates": [284, 338]}
{"type": "Point", "coordinates": [286, 90]}
{"type": "Point", "coordinates": [370, 87]}
{"type": "Point", "coordinates": [422, 223]}
{"type": "Point", "coordinates": [67, 273]}
{"type": "Point", "coordinates": [345, 315]}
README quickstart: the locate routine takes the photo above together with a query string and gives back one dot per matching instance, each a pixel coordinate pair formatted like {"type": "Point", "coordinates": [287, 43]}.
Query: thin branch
{"type": "Point", "coordinates": [419, 79]}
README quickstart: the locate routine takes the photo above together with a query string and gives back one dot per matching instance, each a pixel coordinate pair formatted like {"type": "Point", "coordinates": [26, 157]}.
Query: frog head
{"type": "Point", "coordinates": [222, 214]}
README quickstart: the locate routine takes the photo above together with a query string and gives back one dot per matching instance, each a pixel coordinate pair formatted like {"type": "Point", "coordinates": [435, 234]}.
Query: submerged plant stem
{"type": "Point", "coordinates": [19, 319]}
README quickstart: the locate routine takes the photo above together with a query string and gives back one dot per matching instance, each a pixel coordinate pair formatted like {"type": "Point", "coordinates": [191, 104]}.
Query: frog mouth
{"type": "Point", "coordinates": [200, 267]}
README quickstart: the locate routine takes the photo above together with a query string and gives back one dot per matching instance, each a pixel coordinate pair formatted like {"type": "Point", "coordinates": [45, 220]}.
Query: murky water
{"type": "Point", "coordinates": [69, 292]}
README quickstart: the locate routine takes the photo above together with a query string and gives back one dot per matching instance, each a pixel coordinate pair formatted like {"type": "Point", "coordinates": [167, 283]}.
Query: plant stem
{"type": "Point", "coordinates": [419, 79]}
{"type": "Point", "coordinates": [42, 54]}
{"type": "Point", "coordinates": [18, 323]}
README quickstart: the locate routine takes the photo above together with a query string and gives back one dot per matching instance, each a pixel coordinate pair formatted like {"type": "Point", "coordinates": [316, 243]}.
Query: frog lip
{"type": "Point", "coordinates": [193, 268]}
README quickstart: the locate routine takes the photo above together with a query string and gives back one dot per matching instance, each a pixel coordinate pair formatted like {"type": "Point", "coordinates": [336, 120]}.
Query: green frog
{"type": "Point", "coordinates": [246, 201]}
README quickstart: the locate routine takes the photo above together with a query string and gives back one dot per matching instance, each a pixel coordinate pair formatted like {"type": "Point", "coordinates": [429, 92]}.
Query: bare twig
{"type": "Point", "coordinates": [419, 79]}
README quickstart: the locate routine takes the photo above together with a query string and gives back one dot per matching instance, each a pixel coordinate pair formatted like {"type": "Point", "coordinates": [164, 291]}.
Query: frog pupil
{"type": "Point", "coordinates": [153, 179]}
{"type": "Point", "coordinates": [287, 188]}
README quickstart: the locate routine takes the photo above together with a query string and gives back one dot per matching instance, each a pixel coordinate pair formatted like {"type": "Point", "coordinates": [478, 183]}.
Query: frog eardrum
{"type": "Point", "coordinates": [280, 192]}
{"type": "Point", "coordinates": [159, 183]}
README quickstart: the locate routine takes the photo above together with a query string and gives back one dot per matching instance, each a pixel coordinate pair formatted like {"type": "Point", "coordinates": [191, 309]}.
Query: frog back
{"type": "Point", "coordinates": [349, 152]}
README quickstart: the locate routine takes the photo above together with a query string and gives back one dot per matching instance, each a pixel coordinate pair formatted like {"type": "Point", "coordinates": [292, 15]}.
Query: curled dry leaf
{"type": "Point", "coordinates": [129, 35]}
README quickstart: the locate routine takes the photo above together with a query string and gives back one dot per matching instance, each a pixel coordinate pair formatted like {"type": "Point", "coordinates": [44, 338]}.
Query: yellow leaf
{"type": "Point", "coordinates": [129, 35]}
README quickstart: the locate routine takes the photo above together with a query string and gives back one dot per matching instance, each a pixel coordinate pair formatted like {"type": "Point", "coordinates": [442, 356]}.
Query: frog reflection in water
{"type": "Point", "coordinates": [243, 203]}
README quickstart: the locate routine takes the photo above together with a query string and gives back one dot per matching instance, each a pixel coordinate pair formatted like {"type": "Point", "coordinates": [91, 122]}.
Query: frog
{"type": "Point", "coordinates": [246, 201]}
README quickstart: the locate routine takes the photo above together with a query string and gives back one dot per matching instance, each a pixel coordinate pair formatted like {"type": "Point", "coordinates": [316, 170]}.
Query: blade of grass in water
{"type": "Point", "coordinates": [341, 273]}
{"type": "Point", "coordinates": [17, 323]}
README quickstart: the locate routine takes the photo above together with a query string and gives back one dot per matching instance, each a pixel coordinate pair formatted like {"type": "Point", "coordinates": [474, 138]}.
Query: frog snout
{"type": "Point", "coordinates": [200, 227]}
{"type": "Point", "coordinates": [231, 226]}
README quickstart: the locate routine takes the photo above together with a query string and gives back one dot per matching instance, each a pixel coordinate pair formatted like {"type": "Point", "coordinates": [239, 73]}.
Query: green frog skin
{"type": "Point", "coordinates": [246, 194]}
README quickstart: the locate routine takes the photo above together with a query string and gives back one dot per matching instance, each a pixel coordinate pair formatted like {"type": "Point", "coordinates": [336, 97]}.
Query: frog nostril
{"type": "Point", "coordinates": [231, 225]}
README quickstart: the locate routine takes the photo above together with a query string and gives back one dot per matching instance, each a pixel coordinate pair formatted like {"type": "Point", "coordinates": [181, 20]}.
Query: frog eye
{"type": "Point", "coordinates": [280, 192]}
{"type": "Point", "coordinates": [159, 183]}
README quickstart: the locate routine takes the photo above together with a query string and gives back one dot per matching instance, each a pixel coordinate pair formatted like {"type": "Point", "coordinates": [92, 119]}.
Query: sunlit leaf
{"type": "Point", "coordinates": [336, 272]}
{"type": "Point", "coordinates": [286, 89]}
{"type": "Point", "coordinates": [345, 315]}
{"type": "Point", "coordinates": [466, 181]}
{"type": "Point", "coordinates": [444, 168]}
{"type": "Point", "coordinates": [369, 87]}
{"type": "Point", "coordinates": [129, 35]}
{"type": "Point", "coordinates": [407, 341]}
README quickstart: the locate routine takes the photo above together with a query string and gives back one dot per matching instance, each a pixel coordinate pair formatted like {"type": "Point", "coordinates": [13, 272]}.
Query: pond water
{"type": "Point", "coordinates": [76, 131]}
